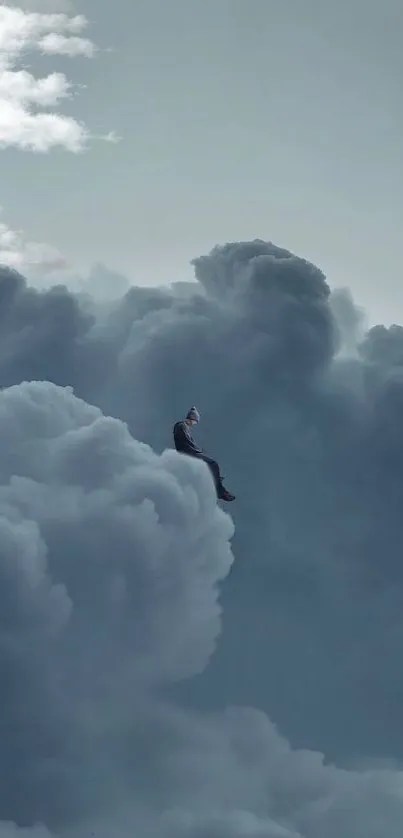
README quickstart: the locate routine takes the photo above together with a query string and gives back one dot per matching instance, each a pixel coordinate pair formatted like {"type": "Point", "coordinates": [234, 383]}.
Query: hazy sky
{"type": "Point", "coordinates": [168, 670]}
{"type": "Point", "coordinates": [276, 119]}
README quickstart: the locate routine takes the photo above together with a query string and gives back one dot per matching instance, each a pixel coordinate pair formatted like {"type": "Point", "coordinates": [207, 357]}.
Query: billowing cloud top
{"type": "Point", "coordinates": [118, 719]}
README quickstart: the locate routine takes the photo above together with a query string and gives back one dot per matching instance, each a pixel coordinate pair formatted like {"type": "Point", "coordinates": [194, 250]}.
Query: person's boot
{"type": "Point", "coordinates": [224, 494]}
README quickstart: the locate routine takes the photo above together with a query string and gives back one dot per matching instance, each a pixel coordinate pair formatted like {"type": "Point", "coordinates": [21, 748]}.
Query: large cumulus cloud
{"type": "Point", "coordinates": [110, 557]}
{"type": "Point", "coordinates": [118, 552]}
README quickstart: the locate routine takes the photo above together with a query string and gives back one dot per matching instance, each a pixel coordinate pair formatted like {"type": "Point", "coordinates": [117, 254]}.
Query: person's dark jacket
{"type": "Point", "coordinates": [184, 442]}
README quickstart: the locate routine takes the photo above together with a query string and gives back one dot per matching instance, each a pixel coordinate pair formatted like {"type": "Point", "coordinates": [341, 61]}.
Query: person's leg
{"type": "Point", "coordinates": [222, 492]}
{"type": "Point", "coordinates": [215, 471]}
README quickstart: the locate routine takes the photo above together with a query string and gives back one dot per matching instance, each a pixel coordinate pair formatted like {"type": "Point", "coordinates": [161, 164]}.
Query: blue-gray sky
{"type": "Point", "coordinates": [168, 671]}
{"type": "Point", "coordinates": [279, 120]}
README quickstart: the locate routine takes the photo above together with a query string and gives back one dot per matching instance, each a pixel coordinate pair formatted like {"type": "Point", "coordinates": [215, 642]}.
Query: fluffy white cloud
{"type": "Point", "coordinates": [25, 121]}
{"type": "Point", "coordinates": [161, 509]}
{"type": "Point", "coordinates": [110, 560]}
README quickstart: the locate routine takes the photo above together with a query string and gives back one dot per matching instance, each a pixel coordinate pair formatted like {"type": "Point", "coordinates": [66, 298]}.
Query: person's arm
{"type": "Point", "coordinates": [188, 442]}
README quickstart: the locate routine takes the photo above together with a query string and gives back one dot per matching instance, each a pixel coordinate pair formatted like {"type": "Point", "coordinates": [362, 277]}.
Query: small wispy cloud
{"type": "Point", "coordinates": [112, 137]}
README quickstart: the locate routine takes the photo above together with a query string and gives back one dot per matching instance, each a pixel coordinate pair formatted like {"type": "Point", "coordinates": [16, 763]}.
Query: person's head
{"type": "Point", "coordinates": [193, 416]}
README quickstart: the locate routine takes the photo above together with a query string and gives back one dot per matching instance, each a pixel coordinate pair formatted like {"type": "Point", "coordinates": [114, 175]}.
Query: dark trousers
{"type": "Point", "coordinates": [215, 471]}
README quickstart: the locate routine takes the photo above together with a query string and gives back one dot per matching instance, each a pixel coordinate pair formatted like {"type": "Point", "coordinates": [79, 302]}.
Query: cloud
{"type": "Point", "coordinates": [110, 559]}
{"type": "Point", "coordinates": [350, 320]}
{"type": "Point", "coordinates": [26, 121]}
{"type": "Point", "coordinates": [44, 266]}
{"type": "Point", "coordinates": [31, 257]}
{"type": "Point", "coordinates": [103, 284]}
{"type": "Point", "coordinates": [143, 719]}
{"type": "Point", "coordinates": [112, 137]}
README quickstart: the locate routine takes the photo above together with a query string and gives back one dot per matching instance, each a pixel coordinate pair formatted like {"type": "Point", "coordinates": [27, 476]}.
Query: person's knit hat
{"type": "Point", "coordinates": [193, 413]}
